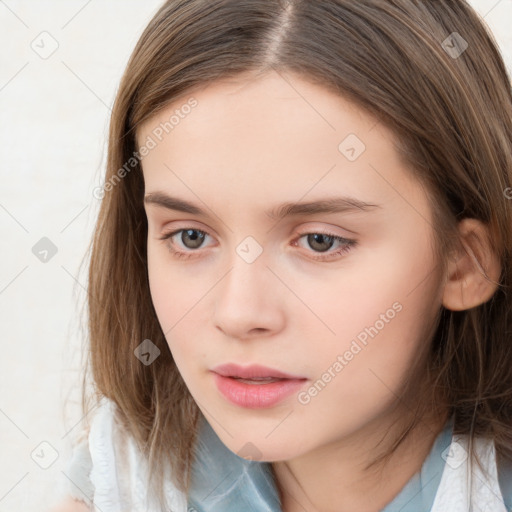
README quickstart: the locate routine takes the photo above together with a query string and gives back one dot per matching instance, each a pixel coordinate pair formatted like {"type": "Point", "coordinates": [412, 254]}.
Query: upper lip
{"type": "Point", "coordinates": [251, 371]}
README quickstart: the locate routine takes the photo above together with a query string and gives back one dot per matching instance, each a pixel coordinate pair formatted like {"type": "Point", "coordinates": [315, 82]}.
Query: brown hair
{"type": "Point", "coordinates": [452, 117]}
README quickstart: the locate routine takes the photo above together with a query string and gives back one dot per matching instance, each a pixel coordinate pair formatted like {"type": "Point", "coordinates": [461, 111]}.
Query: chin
{"type": "Point", "coordinates": [261, 449]}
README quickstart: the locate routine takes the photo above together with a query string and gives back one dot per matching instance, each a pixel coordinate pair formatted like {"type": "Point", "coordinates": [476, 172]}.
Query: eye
{"type": "Point", "coordinates": [322, 242]}
{"type": "Point", "coordinates": [191, 239]}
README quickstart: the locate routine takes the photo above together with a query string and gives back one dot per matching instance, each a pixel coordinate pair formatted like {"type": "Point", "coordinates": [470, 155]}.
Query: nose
{"type": "Point", "coordinates": [249, 301]}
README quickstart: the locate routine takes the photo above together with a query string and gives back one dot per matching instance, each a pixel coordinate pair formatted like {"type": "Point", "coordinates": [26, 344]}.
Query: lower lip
{"type": "Point", "coordinates": [256, 396]}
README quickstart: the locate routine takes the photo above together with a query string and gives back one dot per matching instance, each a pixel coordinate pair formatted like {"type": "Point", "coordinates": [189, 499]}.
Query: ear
{"type": "Point", "coordinates": [473, 273]}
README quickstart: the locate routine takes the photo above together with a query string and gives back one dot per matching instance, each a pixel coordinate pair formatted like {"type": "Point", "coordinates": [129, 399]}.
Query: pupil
{"type": "Point", "coordinates": [318, 239]}
{"type": "Point", "coordinates": [196, 240]}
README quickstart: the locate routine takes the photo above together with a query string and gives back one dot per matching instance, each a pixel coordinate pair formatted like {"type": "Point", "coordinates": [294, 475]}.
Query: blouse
{"type": "Point", "coordinates": [108, 471]}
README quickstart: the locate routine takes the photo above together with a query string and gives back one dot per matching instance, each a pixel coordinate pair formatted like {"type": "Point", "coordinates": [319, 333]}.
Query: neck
{"type": "Point", "coordinates": [334, 477]}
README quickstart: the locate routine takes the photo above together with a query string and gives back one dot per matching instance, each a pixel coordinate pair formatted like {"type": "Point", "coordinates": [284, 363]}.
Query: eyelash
{"type": "Point", "coordinates": [348, 244]}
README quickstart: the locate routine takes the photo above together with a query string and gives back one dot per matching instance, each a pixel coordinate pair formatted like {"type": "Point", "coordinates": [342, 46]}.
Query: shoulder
{"type": "Point", "coordinates": [78, 471]}
{"type": "Point", "coordinates": [91, 470]}
{"type": "Point", "coordinates": [110, 469]}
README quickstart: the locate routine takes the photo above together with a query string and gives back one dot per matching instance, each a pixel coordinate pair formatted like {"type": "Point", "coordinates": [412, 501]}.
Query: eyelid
{"type": "Point", "coordinates": [315, 228]}
{"type": "Point", "coordinates": [183, 224]}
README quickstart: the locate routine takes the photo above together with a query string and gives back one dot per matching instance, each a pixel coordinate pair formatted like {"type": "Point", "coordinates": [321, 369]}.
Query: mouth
{"type": "Point", "coordinates": [255, 386]}
{"type": "Point", "coordinates": [257, 380]}
{"type": "Point", "coordinates": [254, 373]}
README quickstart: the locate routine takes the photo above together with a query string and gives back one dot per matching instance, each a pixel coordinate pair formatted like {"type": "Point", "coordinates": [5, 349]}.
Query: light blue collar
{"type": "Point", "coordinates": [223, 481]}
{"type": "Point", "coordinates": [419, 492]}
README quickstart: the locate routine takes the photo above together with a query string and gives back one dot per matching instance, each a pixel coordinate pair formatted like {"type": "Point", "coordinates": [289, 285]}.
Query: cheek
{"type": "Point", "coordinates": [359, 374]}
{"type": "Point", "coordinates": [172, 290]}
{"type": "Point", "coordinates": [395, 272]}
{"type": "Point", "coordinates": [176, 298]}
{"type": "Point", "coordinates": [379, 313]}
{"type": "Point", "coordinates": [161, 292]}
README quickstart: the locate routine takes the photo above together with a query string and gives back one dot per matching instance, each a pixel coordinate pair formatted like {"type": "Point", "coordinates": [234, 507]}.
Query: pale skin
{"type": "Point", "coordinates": [248, 146]}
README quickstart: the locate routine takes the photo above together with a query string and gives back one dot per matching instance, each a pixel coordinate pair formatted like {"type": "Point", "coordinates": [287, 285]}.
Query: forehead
{"type": "Point", "coordinates": [274, 135]}
{"type": "Point", "coordinates": [278, 100]}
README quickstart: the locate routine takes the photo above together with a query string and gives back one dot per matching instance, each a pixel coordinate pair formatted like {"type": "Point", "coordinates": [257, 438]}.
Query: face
{"type": "Point", "coordinates": [338, 297]}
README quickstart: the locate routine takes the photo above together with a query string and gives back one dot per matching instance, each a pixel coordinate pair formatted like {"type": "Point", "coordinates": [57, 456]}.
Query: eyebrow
{"type": "Point", "coordinates": [327, 205]}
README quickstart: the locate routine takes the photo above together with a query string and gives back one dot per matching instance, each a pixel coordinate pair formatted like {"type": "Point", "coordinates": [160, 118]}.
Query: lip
{"type": "Point", "coordinates": [256, 396]}
{"type": "Point", "coordinates": [252, 371]}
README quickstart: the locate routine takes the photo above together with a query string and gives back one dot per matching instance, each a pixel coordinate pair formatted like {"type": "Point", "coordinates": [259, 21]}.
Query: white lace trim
{"type": "Point", "coordinates": [103, 473]}
{"type": "Point", "coordinates": [119, 471]}
{"type": "Point", "coordinates": [453, 491]}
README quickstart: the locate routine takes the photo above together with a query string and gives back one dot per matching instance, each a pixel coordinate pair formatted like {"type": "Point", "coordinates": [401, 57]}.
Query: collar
{"type": "Point", "coordinates": [224, 481]}
{"type": "Point", "coordinates": [221, 480]}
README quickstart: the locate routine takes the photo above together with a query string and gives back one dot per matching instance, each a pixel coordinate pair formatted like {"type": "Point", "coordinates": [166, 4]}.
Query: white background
{"type": "Point", "coordinates": [54, 116]}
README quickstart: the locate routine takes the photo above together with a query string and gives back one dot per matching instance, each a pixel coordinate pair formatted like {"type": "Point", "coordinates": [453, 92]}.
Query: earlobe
{"type": "Point", "coordinates": [473, 274]}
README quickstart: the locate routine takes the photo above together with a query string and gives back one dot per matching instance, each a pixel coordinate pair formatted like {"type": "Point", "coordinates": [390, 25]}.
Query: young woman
{"type": "Point", "coordinates": [300, 280]}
